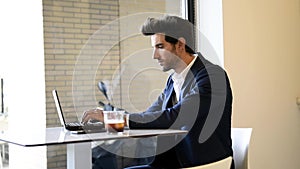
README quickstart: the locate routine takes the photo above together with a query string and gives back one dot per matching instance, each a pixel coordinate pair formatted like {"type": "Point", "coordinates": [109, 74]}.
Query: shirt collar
{"type": "Point", "coordinates": [181, 76]}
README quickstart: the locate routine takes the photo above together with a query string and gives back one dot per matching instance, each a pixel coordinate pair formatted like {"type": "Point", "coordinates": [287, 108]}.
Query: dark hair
{"type": "Point", "coordinates": [173, 28]}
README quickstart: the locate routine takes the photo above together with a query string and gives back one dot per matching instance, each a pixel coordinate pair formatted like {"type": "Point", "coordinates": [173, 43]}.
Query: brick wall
{"type": "Point", "coordinates": [69, 26]}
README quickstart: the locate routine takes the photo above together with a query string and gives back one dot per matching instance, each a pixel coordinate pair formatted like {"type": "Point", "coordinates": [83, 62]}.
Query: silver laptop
{"type": "Point", "coordinates": [76, 127]}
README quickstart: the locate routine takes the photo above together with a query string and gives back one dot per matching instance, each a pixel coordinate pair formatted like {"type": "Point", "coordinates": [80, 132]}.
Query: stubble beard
{"type": "Point", "coordinates": [174, 62]}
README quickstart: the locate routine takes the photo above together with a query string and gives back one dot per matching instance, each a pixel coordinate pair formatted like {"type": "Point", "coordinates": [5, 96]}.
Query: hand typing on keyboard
{"type": "Point", "coordinates": [92, 115]}
{"type": "Point", "coordinates": [96, 114]}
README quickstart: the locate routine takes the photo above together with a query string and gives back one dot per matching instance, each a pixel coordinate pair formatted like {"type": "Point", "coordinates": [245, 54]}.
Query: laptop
{"type": "Point", "coordinates": [76, 127]}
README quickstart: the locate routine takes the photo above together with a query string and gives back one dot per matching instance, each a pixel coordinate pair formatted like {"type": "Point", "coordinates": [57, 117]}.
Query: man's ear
{"type": "Point", "coordinates": [181, 43]}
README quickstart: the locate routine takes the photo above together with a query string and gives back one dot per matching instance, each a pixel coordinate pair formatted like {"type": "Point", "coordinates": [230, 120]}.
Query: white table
{"type": "Point", "coordinates": [79, 153]}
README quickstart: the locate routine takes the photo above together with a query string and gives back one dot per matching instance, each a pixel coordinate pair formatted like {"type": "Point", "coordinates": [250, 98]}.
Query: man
{"type": "Point", "coordinates": [197, 98]}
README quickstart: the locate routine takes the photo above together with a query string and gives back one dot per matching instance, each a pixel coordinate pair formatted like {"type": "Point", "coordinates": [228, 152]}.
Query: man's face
{"type": "Point", "coordinates": [164, 52]}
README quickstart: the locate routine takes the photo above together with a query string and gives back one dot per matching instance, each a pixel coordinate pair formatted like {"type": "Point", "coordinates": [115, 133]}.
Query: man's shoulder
{"type": "Point", "coordinates": [206, 72]}
{"type": "Point", "coordinates": [203, 65]}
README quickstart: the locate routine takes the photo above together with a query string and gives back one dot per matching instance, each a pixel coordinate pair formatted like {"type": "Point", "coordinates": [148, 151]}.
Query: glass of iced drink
{"type": "Point", "coordinates": [114, 121]}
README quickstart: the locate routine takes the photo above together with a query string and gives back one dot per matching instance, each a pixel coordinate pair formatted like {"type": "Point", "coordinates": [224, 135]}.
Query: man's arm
{"type": "Point", "coordinates": [182, 114]}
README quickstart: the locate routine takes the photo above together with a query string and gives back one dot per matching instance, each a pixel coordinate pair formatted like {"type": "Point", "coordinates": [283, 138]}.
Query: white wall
{"type": "Point", "coordinates": [22, 65]}
{"type": "Point", "coordinates": [210, 31]}
{"type": "Point", "coordinates": [261, 44]}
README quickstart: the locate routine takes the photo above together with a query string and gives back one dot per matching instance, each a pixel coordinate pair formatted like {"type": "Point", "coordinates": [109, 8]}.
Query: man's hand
{"type": "Point", "coordinates": [93, 114]}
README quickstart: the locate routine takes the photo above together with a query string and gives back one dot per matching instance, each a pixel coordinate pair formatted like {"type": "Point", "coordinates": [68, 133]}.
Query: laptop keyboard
{"type": "Point", "coordinates": [74, 124]}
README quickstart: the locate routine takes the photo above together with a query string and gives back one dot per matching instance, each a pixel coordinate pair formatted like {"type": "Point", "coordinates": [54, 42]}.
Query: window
{"type": "Point", "coordinates": [91, 41]}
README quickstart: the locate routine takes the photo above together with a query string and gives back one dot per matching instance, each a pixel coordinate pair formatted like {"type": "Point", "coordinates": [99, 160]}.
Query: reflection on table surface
{"type": "Point", "coordinates": [57, 135]}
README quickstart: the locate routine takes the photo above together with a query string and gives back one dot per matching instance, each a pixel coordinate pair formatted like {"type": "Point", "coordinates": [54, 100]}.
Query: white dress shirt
{"type": "Point", "coordinates": [178, 78]}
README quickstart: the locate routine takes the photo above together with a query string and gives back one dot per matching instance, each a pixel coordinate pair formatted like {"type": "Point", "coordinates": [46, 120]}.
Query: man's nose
{"type": "Point", "coordinates": [155, 54]}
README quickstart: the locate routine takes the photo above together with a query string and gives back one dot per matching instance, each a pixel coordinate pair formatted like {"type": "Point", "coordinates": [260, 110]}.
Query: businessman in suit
{"type": "Point", "coordinates": [197, 98]}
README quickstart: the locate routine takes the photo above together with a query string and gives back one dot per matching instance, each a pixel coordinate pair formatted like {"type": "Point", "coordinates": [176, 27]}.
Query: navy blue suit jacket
{"type": "Point", "coordinates": [204, 109]}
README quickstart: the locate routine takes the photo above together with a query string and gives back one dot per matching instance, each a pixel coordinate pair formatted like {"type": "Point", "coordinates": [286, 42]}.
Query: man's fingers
{"type": "Point", "coordinates": [94, 114]}
{"type": "Point", "coordinates": [85, 118]}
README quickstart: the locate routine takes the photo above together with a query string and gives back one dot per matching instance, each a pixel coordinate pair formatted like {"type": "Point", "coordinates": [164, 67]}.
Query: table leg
{"type": "Point", "coordinates": [79, 156]}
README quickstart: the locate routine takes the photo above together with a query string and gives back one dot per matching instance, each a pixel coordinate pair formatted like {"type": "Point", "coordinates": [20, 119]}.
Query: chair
{"type": "Point", "coordinates": [1, 163]}
{"type": "Point", "coordinates": [240, 142]}
{"type": "Point", "coordinates": [222, 164]}
{"type": "Point", "coordinates": [1, 154]}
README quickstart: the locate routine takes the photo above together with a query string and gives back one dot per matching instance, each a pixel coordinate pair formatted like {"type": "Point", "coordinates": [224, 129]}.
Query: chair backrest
{"type": "Point", "coordinates": [1, 163]}
{"type": "Point", "coordinates": [240, 143]}
{"type": "Point", "coordinates": [222, 164]}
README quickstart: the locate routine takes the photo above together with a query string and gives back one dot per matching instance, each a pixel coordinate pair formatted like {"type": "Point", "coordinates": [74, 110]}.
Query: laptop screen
{"type": "Point", "coordinates": [58, 107]}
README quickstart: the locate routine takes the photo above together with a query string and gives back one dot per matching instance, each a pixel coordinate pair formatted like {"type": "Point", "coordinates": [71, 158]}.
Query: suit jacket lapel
{"type": "Point", "coordinates": [168, 101]}
{"type": "Point", "coordinates": [198, 64]}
